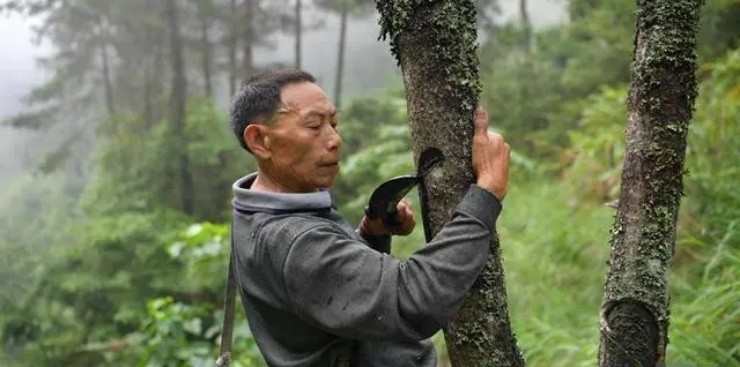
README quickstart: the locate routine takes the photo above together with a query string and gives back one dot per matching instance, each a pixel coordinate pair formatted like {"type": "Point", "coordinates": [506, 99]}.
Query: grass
{"type": "Point", "coordinates": [555, 252]}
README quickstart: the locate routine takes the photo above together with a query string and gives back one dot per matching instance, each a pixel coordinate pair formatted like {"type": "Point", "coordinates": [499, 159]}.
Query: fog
{"type": "Point", "coordinates": [369, 67]}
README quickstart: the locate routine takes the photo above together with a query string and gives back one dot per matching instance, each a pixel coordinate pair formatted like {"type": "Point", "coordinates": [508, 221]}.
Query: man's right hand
{"type": "Point", "coordinates": [490, 157]}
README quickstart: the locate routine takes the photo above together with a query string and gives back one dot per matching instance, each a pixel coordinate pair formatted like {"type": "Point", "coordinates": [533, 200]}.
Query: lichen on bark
{"type": "Point", "coordinates": [434, 42]}
{"type": "Point", "coordinates": [660, 105]}
{"type": "Point", "coordinates": [453, 25]}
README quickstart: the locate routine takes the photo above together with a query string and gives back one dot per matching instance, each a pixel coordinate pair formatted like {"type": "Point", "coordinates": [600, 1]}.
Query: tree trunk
{"type": "Point", "coordinates": [108, 85]}
{"type": "Point", "coordinates": [298, 31]}
{"type": "Point", "coordinates": [157, 83]}
{"type": "Point", "coordinates": [232, 47]}
{"type": "Point", "coordinates": [340, 55]}
{"type": "Point", "coordinates": [205, 47]}
{"type": "Point", "coordinates": [634, 315]}
{"type": "Point", "coordinates": [147, 86]}
{"type": "Point", "coordinates": [527, 41]}
{"type": "Point", "coordinates": [435, 45]}
{"type": "Point", "coordinates": [177, 104]}
{"type": "Point", "coordinates": [248, 61]}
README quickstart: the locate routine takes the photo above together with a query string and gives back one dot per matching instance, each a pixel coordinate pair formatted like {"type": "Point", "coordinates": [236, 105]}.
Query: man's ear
{"type": "Point", "coordinates": [258, 141]}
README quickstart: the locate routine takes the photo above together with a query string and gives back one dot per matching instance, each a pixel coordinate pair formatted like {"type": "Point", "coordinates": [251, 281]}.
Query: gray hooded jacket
{"type": "Point", "coordinates": [317, 293]}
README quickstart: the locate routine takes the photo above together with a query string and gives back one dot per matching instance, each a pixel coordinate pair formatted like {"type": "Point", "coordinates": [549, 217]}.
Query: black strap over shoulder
{"type": "Point", "coordinates": [347, 355]}
{"type": "Point", "coordinates": [227, 332]}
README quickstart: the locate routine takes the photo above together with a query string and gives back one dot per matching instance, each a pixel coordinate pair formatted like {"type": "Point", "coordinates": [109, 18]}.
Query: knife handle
{"type": "Point", "coordinates": [389, 219]}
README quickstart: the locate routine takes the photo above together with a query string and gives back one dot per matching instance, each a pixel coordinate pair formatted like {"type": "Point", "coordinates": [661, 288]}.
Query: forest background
{"type": "Point", "coordinates": [114, 226]}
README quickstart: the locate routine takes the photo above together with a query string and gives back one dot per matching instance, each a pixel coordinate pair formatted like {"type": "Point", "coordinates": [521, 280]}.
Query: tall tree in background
{"type": "Point", "coordinates": [345, 8]}
{"type": "Point", "coordinates": [81, 79]}
{"type": "Point", "coordinates": [527, 34]}
{"type": "Point", "coordinates": [299, 24]}
{"type": "Point", "coordinates": [435, 45]}
{"type": "Point", "coordinates": [232, 41]}
{"type": "Point", "coordinates": [105, 70]}
{"type": "Point", "coordinates": [178, 99]}
{"type": "Point", "coordinates": [487, 11]}
{"type": "Point", "coordinates": [250, 7]}
{"type": "Point", "coordinates": [205, 14]}
{"type": "Point", "coordinates": [298, 32]}
{"type": "Point", "coordinates": [634, 315]}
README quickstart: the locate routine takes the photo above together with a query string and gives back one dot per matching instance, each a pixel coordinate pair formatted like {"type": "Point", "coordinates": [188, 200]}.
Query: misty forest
{"type": "Point", "coordinates": [115, 216]}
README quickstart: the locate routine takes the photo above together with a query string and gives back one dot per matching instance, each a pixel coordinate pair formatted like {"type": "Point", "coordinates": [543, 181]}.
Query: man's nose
{"type": "Point", "coordinates": [334, 141]}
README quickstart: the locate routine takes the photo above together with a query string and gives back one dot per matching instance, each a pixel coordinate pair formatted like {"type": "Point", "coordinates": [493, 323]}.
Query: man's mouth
{"type": "Point", "coordinates": [330, 164]}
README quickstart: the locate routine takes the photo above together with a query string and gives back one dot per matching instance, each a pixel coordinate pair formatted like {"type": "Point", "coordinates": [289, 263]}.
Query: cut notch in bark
{"type": "Point", "coordinates": [630, 333]}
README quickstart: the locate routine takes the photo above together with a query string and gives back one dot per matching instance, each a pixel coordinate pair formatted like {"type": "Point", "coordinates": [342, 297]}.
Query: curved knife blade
{"type": "Point", "coordinates": [385, 198]}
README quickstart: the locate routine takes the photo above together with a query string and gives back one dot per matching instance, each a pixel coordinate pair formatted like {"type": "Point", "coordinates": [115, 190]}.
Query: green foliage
{"type": "Point", "coordinates": [719, 29]}
{"type": "Point", "coordinates": [706, 308]}
{"type": "Point", "coordinates": [523, 111]}
{"type": "Point", "coordinates": [554, 273]}
{"type": "Point", "coordinates": [599, 45]}
{"type": "Point", "coordinates": [121, 277]}
{"type": "Point", "coordinates": [203, 249]}
{"type": "Point", "coordinates": [186, 332]}
{"type": "Point", "coordinates": [536, 97]}
{"type": "Point", "coordinates": [377, 147]}
{"type": "Point", "coordinates": [137, 166]}
{"type": "Point", "coordinates": [597, 149]}
{"type": "Point", "coordinates": [216, 159]}
{"type": "Point", "coordinates": [172, 334]}
{"type": "Point", "coordinates": [714, 145]}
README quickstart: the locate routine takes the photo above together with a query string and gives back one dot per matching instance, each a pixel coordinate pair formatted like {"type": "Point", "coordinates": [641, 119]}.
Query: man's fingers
{"type": "Point", "coordinates": [409, 213]}
{"type": "Point", "coordinates": [405, 219]}
{"type": "Point", "coordinates": [481, 120]}
{"type": "Point", "coordinates": [403, 210]}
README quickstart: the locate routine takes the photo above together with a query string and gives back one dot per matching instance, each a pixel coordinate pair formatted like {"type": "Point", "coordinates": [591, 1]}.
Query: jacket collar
{"type": "Point", "coordinates": [274, 202]}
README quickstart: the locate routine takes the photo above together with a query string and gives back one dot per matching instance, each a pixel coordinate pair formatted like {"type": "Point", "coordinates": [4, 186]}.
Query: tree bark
{"type": "Point", "coordinates": [340, 55]}
{"type": "Point", "coordinates": [205, 46]}
{"type": "Point", "coordinates": [435, 45]}
{"type": "Point", "coordinates": [634, 315]}
{"type": "Point", "coordinates": [178, 97]}
{"type": "Point", "coordinates": [248, 59]}
{"type": "Point", "coordinates": [298, 33]}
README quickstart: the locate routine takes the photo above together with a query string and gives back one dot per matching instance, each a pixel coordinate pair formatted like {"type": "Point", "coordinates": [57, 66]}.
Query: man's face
{"type": "Point", "coordinates": [304, 142]}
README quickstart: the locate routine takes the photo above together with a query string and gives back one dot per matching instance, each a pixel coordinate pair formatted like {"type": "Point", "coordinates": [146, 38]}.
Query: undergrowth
{"type": "Point", "coordinates": [555, 248]}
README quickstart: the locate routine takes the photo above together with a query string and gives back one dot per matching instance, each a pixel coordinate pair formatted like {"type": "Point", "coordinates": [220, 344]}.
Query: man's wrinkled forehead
{"type": "Point", "coordinates": [301, 95]}
{"type": "Point", "coordinates": [326, 109]}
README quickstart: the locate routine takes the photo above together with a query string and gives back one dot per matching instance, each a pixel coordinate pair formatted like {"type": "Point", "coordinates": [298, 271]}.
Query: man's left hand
{"type": "Point", "coordinates": [404, 216]}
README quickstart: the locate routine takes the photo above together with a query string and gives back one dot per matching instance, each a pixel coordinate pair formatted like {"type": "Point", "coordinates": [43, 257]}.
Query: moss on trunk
{"type": "Point", "coordinates": [661, 98]}
{"type": "Point", "coordinates": [435, 45]}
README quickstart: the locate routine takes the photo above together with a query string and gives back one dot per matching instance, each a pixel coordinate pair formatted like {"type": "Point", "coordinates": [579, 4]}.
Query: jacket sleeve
{"type": "Point", "coordinates": [341, 285]}
{"type": "Point", "coordinates": [377, 243]}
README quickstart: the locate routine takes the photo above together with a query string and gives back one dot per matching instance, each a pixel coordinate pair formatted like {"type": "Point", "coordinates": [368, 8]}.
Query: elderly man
{"type": "Point", "coordinates": [316, 292]}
